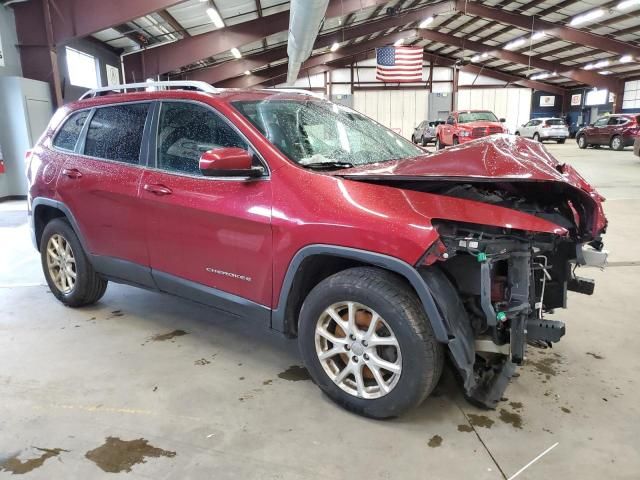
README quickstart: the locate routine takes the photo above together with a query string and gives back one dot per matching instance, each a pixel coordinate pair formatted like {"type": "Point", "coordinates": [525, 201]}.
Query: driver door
{"type": "Point", "coordinates": [210, 231]}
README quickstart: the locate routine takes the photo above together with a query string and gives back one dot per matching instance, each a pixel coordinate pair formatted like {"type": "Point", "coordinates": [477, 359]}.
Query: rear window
{"type": "Point", "coordinates": [555, 121]}
{"type": "Point", "coordinates": [115, 133]}
{"type": "Point", "coordinates": [68, 135]}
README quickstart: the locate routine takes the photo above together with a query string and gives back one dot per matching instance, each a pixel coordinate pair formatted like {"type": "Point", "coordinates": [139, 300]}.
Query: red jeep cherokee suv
{"type": "Point", "coordinates": [306, 215]}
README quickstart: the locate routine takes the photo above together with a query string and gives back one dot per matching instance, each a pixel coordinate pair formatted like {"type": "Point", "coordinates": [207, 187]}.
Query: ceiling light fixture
{"type": "Point", "coordinates": [335, 46]}
{"type": "Point", "coordinates": [399, 42]}
{"type": "Point", "coordinates": [588, 67]}
{"type": "Point", "coordinates": [485, 55]}
{"type": "Point", "coordinates": [586, 17]}
{"type": "Point", "coordinates": [215, 17]}
{"type": "Point", "coordinates": [605, 72]}
{"type": "Point", "coordinates": [538, 35]}
{"type": "Point", "coordinates": [425, 22]}
{"type": "Point", "coordinates": [626, 59]}
{"type": "Point", "coordinates": [236, 53]}
{"type": "Point", "coordinates": [247, 72]}
{"type": "Point", "coordinates": [475, 58]}
{"type": "Point", "coordinates": [540, 76]}
{"type": "Point", "coordinates": [627, 4]}
{"type": "Point", "coordinates": [514, 44]}
{"type": "Point", "coordinates": [601, 64]}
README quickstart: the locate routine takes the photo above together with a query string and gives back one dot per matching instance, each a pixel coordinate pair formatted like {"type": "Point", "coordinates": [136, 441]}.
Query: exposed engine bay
{"type": "Point", "coordinates": [513, 225]}
{"type": "Point", "coordinates": [507, 281]}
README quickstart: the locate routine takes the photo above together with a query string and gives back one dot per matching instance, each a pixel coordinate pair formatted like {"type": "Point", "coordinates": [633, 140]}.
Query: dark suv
{"type": "Point", "coordinates": [616, 131]}
{"type": "Point", "coordinates": [287, 209]}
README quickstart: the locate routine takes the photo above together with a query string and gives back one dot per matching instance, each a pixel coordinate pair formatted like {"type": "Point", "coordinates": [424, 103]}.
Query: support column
{"type": "Point", "coordinates": [38, 52]}
{"type": "Point", "coordinates": [456, 79]}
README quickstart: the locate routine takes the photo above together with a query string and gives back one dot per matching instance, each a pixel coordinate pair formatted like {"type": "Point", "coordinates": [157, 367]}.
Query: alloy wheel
{"type": "Point", "coordinates": [615, 143]}
{"type": "Point", "coordinates": [61, 263]}
{"type": "Point", "coordinates": [358, 350]}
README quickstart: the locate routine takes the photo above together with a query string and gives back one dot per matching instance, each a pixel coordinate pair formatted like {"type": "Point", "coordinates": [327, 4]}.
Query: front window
{"type": "Point", "coordinates": [468, 117]}
{"type": "Point", "coordinates": [317, 134]}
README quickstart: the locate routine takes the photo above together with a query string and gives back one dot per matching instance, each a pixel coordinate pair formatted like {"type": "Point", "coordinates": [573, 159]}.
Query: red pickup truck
{"type": "Point", "coordinates": [468, 125]}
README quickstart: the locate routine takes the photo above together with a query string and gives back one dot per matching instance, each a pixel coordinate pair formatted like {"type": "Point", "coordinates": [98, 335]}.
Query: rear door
{"type": "Point", "coordinates": [100, 180]}
{"type": "Point", "coordinates": [211, 231]}
{"type": "Point", "coordinates": [598, 133]}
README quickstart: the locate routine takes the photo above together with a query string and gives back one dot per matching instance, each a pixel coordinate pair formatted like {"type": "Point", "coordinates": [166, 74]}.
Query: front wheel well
{"type": "Point", "coordinates": [43, 214]}
{"type": "Point", "coordinates": [311, 271]}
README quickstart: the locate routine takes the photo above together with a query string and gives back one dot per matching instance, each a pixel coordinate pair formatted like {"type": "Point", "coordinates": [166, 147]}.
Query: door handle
{"type": "Point", "coordinates": [157, 189]}
{"type": "Point", "coordinates": [71, 172]}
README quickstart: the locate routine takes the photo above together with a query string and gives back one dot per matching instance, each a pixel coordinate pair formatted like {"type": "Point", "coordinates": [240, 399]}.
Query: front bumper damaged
{"type": "Point", "coordinates": [506, 283]}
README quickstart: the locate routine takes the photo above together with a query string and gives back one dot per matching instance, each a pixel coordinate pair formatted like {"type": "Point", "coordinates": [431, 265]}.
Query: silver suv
{"type": "Point", "coordinates": [425, 132]}
{"type": "Point", "coordinates": [541, 129]}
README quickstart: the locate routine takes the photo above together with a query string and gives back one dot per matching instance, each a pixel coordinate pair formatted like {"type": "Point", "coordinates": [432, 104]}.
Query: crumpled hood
{"type": "Point", "coordinates": [496, 159]}
{"type": "Point", "coordinates": [499, 157]}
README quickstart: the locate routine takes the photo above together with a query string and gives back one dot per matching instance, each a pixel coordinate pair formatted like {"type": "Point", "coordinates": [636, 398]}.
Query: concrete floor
{"type": "Point", "coordinates": [79, 388]}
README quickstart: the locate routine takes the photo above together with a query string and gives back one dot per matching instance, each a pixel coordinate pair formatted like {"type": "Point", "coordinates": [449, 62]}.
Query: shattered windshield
{"type": "Point", "coordinates": [467, 117]}
{"type": "Point", "coordinates": [318, 134]}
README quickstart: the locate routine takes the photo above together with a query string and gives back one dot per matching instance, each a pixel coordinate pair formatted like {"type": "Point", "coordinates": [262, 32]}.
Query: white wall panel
{"type": "Point", "coordinates": [442, 73]}
{"type": "Point", "coordinates": [513, 104]}
{"type": "Point", "coordinates": [396, 109]}
{"type": "Point", "coordinates": [341, 75]}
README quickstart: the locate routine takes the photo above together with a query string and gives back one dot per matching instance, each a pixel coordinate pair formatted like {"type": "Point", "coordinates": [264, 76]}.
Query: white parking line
{"type": "Point", "coordinates": [533, 461]}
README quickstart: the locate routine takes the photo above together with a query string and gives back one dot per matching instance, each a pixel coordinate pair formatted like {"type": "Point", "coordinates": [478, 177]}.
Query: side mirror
{"type": "Point", "coordinates": [502, 120]}
{"type": "Point", "coordinates": [228, 162]}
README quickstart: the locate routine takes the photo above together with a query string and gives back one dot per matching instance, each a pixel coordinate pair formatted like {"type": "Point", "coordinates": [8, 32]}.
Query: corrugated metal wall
{"type": "Point", "coordinates": [400, 110]}
{"type": "Point", "coordinates": [513, 104]}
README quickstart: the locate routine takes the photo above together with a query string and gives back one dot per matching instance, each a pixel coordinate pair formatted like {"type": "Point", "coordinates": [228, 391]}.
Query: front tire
{"type": "Point", "coordinates": [368, 344]}
{"type": "Point", "coordinates": [456, 141]}
{"type": "Point", "coordinates": [582, 142]}
{"type": "Point", "coordinates": [439, 145]}
{"type": "Point", "coordinates": [70, 276]}
{"type": "Point", "coordinates": [423, 142]}
{"type": "Point", "coordinates": [536, 137]}
{"type": "Point", "coordinates": [616, 143]}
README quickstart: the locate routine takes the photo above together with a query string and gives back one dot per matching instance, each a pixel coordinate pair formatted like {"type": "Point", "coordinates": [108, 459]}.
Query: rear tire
{"type": "Point", "coordinates": [582, 142]}
{"type": "Point", "coordinates": [517, 134]}
{"type": "Point", "coordinates": [416, 357]}
{"type": "Point", "coordinates": [561, 140]}
{"type": "Point", "coordinates": [439, 145]}
{"type": "Point", "coordinates": [456, 141]}
{"type": "Point", "coordinates": [616, 143]}
{"type": "Point", "coordinates": [70, 276]}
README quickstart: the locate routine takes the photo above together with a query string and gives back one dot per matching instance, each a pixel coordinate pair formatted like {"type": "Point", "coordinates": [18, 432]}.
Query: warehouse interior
{"type": "Point", "coordinates": [147, 385]}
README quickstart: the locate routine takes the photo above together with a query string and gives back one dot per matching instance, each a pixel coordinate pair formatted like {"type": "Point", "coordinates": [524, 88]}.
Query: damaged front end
{"type": "Point", "coordinates": [513, 226]}
{"type": "Point", "coordinates": [506, 282]}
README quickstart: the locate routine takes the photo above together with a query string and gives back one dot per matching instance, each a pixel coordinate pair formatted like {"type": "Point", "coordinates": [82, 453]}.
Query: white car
{"type": "Point", "coordinates": [541, 129]}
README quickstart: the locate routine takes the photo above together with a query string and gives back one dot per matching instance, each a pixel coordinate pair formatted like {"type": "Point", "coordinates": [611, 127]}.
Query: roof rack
{"type": "Point", "coordinates": [153, 86]}
{"type": "Point", "coordinates": [294, 90]}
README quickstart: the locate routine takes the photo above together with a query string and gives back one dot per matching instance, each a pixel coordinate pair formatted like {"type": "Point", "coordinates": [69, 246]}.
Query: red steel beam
{"type": "Point", "coordinates": [79, 18]}
{"type": "Point", "coordinates": [584, 76]}
{"type": "Point", "coordinates": [552, 29]}
{"type": "Point", "coordinates": [342, 59]}
{"type": "Point", "coordinates": [261, 76]}
{"type": "Point", "coordinates": [173, 56]}
{"type": "Point", "coordinates": [217, 73]}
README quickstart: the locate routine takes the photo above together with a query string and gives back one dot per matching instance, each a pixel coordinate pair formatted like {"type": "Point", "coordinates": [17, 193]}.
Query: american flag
{"type": "Point", "coordinates": [399, 64]}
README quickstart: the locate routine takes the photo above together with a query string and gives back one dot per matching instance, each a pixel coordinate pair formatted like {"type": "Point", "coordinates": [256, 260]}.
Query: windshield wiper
{"type": "Point", "coordinates": [328, 165]}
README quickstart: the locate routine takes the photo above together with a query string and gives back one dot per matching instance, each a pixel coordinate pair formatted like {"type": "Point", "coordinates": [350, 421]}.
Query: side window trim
{"type": "Point", "coordinates": [62, 125]}
{"type": "Point", "coordinates": [153, 142]}
{"type": "Point", "coordinates": [81, 144]}
{"type": "Point", "coordinates": [79, 150]}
